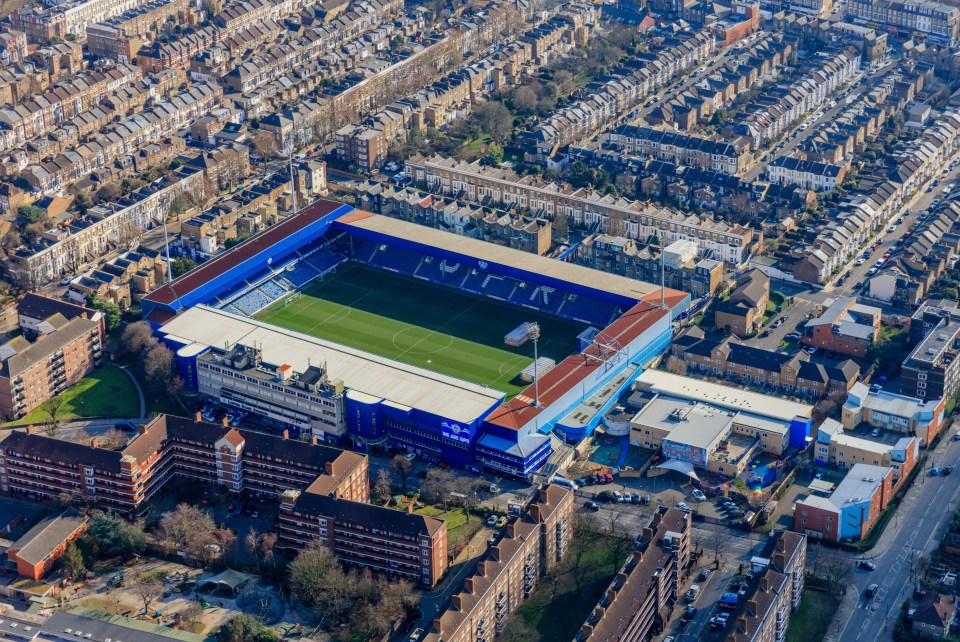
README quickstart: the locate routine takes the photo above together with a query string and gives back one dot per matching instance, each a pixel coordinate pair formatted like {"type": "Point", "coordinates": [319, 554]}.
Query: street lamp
{"type": "Point", "coordinates": [535, 335]}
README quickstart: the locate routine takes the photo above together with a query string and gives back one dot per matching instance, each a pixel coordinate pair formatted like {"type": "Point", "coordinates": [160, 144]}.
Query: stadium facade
{"type": "Point", "coordinates": [335, 392]}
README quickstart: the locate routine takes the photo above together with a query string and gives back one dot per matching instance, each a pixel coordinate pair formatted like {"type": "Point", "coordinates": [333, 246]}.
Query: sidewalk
{"type": "Point", "coordinates": [850, 598]}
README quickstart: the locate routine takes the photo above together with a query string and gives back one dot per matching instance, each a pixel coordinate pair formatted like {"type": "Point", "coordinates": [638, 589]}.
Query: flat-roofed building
{"type": "Point", "coordinates": [851, 510]}
{"type": "Point", "coordinates": [838, 447]}
{"type": "Point", "coordinates": [711, 425]}
{"type": "Point", "coordinates": [932, 369]}
{"type": "Point", "coordinates": [889, 411]}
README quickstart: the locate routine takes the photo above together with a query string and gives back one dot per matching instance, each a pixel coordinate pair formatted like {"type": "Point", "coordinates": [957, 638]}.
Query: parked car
{"type": "Point", "coordinates": [600, 478]}
{"type": "Point", "coordinates": [872, 590]}
{"type": "Point", "coordinates": [492, 521]}
{"type": "Point", "coordinates": [682, 506]}
{"type": "Point", "coordinates": [864, 565]}
{"type": "Point", "coordinates": [792, 336]}
{"type": "Point", "coordinates": [627, 497]}
{"type": "Point", "coordinates": [704, 574]}
{"type": "Point", "coordinates": [416, 635]}
{"type": "Point", "coordinates": [692, 593]}
{"type": "Point", "coordinates": [935, 471]}
{"type": "Point", "coordinates": [637, 499]}
{"type": "Point", "coordinates": [618, 496]}
{"type": "Point", "coordinates": [947, 470]}
{"type": "Point", "coordinates": [698, 495]}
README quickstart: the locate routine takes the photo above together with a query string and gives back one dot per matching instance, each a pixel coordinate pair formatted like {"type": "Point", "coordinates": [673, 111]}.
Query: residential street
{"type": "Point", "coordinates": [916, 529]}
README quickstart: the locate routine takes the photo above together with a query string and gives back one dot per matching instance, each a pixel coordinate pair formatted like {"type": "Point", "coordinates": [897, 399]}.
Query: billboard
{"type": "Point", "coordinates": [456, 433]}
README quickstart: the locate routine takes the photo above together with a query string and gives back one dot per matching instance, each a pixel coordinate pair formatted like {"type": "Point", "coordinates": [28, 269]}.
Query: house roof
{"type": "Point", "coordinates": [38, 544]}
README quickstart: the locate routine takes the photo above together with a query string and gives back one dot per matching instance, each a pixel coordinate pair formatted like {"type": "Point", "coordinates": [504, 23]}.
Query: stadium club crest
{"type": "Point", "coordinates": [482, 265]}
{"type": "Point", "coordinates": [455, 432]}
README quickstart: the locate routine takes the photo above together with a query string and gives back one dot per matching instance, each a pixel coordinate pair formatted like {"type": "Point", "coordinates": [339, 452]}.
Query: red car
{"type": "Point", "coordinates": [609, 478]}
{"type": "Point", "coordinates": [601, 478]}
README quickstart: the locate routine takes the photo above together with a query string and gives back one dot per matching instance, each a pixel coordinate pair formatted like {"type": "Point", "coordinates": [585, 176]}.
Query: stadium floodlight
{"type": "Point", "coordinates": [535, 335]}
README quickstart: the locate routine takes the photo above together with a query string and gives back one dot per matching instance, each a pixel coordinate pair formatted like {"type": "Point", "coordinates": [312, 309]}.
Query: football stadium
{"type": "Point", "coordinates": [350, 326]}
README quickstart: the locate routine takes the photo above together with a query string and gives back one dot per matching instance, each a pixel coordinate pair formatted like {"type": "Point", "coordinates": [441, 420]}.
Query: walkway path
{"type": "Point", "coordinates": [136, 384]}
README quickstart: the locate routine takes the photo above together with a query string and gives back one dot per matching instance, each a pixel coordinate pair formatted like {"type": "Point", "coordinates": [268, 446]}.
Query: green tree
{"type": "Point", "coordinates": [111, 311]}
{"type": "Point", "coordinates": [27, 214]}
{"type": "Point", "coordinates": [493, 119]}
{"type": "Point", "coordinates": [113, 536]}
{"type": "Point", "coordinates": [72, 561]}
{"type": "Point", "coordinates": [181, 265]}
{"type": "Point", "coordinates": [246, 628]}
{"type": "Point", "coordinates": [494, 155]}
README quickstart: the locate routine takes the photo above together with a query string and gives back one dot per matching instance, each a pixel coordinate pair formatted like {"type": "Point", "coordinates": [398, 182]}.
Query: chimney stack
{"type": "Point", "coordinates": [142, 429]}
{"type": "Point", "coordinates": [31, 430]}
{"type": "Point", "coordinates": [198, 417]}
{"type": "Point", "coordinates": [94, 442]}
{"type": "Point", "coordinates": [226, 424]}
{"type": "Point", "coordinates": [313, 440]}
{"type": "Point", "coordinates": [286, 434]}
{"type": "Point", "coordinates": [410, 507]}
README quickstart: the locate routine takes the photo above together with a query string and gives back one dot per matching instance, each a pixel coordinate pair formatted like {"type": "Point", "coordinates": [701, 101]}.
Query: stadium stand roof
{"type": "Point", "coordinates": [520, 411]}
{"type": "Point", "coordinates": [213, 268]}
{"type": "Point", "coordinates": [484, 251]}
{"type": "Point", "coordinates": [363, 372]}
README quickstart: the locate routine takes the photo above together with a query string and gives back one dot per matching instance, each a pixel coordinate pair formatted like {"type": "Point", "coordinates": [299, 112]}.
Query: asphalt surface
{"type": "Point", "coordinates": [918, 525]}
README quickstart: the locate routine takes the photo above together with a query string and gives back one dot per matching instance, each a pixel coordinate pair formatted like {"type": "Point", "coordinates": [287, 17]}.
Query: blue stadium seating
{"type": "Point", "coordinates": [498, 286]}
{"type": "Point", "coordinates": [587, 309]}
{"type": "Point", "coordinates": [301, 273]}
{"type": "Point", "coordinates": [474, 281]}
{"type": "Point", "coordinates": [396, 259]}
{"type": "Point", "coordinates": [324, 259]}
{"type": "Point", "coordinates": [272, 289]}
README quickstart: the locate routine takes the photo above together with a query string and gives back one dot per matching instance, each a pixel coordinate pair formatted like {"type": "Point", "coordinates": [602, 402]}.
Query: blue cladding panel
{"type": "Point", "coordinates": [799, 432]}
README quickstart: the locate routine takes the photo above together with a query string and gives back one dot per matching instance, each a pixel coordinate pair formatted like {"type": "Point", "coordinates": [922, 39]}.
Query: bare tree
{"type": "Point", "coordinates": [149, 586]}
{"type": "Point", "coordinates": [265, 144]}
{"type": "Point", "coordinates": [112, 439]}
{"type": "Point", "coordinates": [583, 540]}
{"type": "Point", "coordinates": [401, 467]}
{"type": "Point", "coordinates": [676, 365]}
{"type": "Point", "coordinates": [437, 486]}
{"type": "Point", "coordinates": [836, 571]}
{"type": "Point", "coordinates": [382, 490]}
{"type": "Point", "coordinates": [617, 539]}
{"type": "Point", "coordinates": [53, 410]}
{"type": "Point", "coordinates": [718, 543]}
{"type": "Point", "coordinates": [468, 487]}
{"type": "Point", "coordinates": [137, 339]}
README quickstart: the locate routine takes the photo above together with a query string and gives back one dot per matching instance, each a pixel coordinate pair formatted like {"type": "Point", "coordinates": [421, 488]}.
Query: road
{"type": "Point", "coordinates": [918, 525]}
{"type": "Point", "coordinates": [790, 142]}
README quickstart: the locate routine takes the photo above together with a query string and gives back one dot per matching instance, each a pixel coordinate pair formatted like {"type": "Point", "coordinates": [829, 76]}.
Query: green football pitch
{"type": "Point", "coordinates": [423, 324]}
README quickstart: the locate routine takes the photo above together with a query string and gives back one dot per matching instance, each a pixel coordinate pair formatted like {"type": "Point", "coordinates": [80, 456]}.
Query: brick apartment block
{"type": "Point", "coordinates": [509, 571]}
{"type": "Point", "coordinates": [638, 602]}
{"type": "Point", "coordinates": [315, 482]}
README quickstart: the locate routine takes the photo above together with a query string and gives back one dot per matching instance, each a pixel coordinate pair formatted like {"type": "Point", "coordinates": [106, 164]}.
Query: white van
{"type": "Point", "coordinates": [566, 483]}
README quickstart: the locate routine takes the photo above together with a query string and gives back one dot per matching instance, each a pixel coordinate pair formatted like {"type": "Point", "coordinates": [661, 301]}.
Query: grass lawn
{"type": "Point", "coordinates": [812, 619]}
{"type": "Point", "coordinates": [560, 617]}
{"type": "Point", "coordinates": [424, 324]}
{"type": "Point", "coordinates": [458, 530]}
{"type": "Point", "coordinates": [105, 392]}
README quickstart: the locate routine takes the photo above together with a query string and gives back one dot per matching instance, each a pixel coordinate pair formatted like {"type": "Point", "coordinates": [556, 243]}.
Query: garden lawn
{"type": "Point", "coordinates": [458, 530]}
{"type": "Point", "coordinates": [561, 617]}
{"type": "Point", "coordinates": [106, 392]}
{"type": "Point", "coordinates": [812, 619]}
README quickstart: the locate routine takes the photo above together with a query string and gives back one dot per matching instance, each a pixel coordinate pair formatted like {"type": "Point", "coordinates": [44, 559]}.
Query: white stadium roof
{"type": "Point", "coordinates": [362, 372]}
